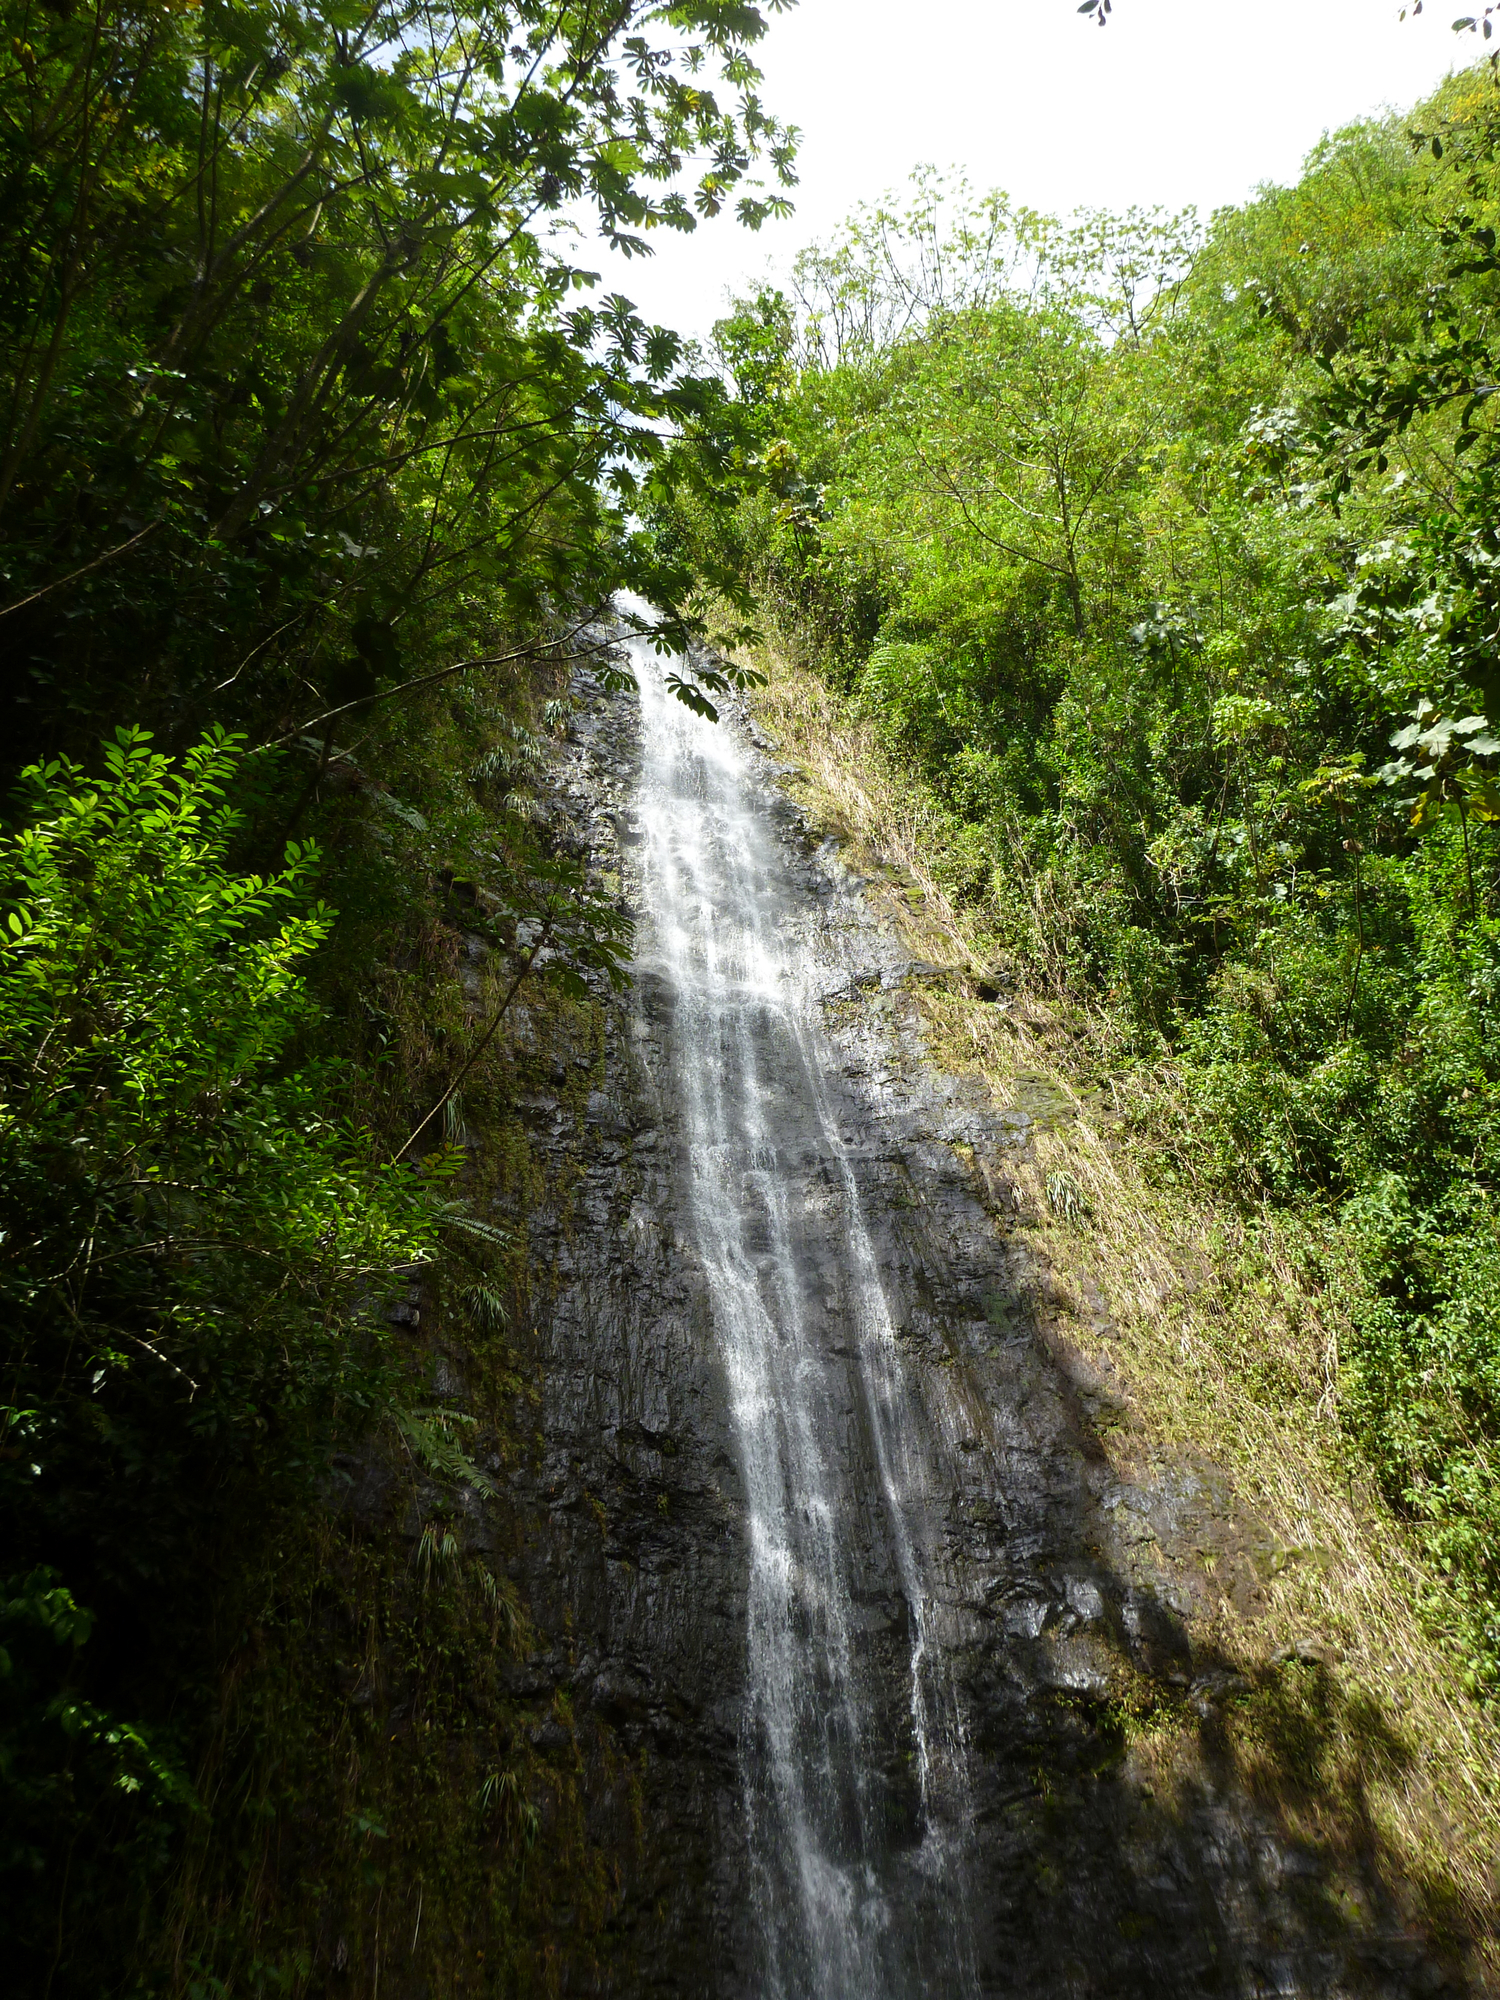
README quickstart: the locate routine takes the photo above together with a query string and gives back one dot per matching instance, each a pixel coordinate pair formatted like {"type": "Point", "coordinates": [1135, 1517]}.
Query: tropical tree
{"type": "Point", "coordinates": [296, 367]}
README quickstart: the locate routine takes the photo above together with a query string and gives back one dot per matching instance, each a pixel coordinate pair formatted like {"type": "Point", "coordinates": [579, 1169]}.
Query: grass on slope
{"type": "Point", "coordinates": [1225, 1326]}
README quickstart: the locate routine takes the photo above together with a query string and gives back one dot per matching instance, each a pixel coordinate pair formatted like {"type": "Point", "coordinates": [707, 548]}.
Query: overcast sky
{"type": "Point", "coordinates": [1176, 102]}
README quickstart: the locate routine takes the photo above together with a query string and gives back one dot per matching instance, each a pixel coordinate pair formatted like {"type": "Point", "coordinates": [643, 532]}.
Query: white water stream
{"type": "Point", "coordinates": [852, 1748]}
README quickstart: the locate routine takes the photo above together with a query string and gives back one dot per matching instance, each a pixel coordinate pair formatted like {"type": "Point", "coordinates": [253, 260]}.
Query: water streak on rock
{"type": "Point", "coordinates": [853, 1749]}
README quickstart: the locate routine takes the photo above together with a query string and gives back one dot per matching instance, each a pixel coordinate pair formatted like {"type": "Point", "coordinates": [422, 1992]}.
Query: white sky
{"type": "Point", "coordinates": [1175, 102]}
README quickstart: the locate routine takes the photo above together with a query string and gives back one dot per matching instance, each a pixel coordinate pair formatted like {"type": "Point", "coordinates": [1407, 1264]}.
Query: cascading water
{"type": "Point", "coordinates": [852, 1748]}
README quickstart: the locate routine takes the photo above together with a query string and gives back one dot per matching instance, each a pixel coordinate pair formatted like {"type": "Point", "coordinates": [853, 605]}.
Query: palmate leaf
{"type": "Point", "coordinates": [692, 696]}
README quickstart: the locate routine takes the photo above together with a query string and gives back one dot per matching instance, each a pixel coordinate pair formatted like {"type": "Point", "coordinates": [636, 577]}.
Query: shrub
{"type": "Point", "coordinates": [192, 1241]}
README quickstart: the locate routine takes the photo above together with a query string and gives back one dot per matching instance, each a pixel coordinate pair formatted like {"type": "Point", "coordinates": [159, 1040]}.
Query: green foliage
{"type": "Point", "coordinates": [321, 460]}
{"type": "Point", "coordinates": [64, 1761]}
{"type": "Point", "coordinates": [302, 399]}
{"type": "Point", "coordinates": [194, 1241]}
{"type": "Point", "coordinates": [1168, 559]}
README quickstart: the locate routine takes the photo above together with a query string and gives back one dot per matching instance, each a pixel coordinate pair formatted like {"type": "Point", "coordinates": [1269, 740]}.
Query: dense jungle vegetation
{"type": "Point", "coordinates": [317, 464]}
{"type": "Point", "coordinates": [1167, 560]}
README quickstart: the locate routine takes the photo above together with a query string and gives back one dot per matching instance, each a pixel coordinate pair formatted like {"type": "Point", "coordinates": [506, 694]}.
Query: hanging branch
{"type": "Point", "coordinates": [73, 575]}
{"type": "Point", "coordinates": [484, 1040]}
{"type": "Point", "coordinates": [530, 652]}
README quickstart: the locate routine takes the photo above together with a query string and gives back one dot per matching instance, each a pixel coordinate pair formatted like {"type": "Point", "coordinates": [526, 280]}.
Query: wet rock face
{"type": "Point", "coordinates": [630, 1551]}
{"type": "Point", "coordinates": [1005, 1601]}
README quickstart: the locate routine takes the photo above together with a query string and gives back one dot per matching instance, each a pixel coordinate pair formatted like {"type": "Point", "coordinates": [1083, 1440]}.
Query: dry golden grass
{"type": "Point", "coordinates": [1228, 1348]}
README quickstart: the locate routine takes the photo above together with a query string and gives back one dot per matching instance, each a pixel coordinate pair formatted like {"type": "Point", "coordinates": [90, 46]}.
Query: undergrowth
{"type": "Point", "coordinates": [268, 1719]}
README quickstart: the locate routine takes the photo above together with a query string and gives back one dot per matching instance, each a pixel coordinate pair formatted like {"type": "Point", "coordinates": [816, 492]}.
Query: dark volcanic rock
{"type": "Point", "coordinates": [1049, 1590]}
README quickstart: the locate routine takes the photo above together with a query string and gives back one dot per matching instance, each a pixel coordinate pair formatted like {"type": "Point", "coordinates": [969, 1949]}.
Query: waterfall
{"type": "Point", "coordinates": [852, 1745]}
